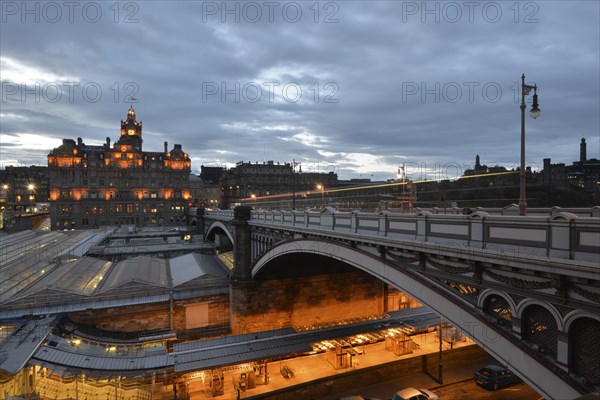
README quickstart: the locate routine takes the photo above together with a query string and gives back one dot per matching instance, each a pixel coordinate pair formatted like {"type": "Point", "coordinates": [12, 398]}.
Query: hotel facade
{"type": "Point", "coordinates": [93, 186]}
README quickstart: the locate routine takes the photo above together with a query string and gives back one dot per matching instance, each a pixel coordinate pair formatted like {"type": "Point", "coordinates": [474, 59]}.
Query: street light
{"type": "Point", "coordinates": [321, 187]}
{"type": "Point", "coordinates": [534, 113]}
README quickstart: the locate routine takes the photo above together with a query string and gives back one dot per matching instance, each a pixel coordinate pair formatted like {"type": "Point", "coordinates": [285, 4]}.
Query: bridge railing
{"type": "Point", "coordinates": [562, 235]}
{"type": "Point", "coordinates": [513, 209]}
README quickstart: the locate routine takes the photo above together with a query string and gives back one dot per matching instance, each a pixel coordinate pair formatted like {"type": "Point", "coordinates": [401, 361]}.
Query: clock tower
{"type": "Point", "coordinates": [131, 132]}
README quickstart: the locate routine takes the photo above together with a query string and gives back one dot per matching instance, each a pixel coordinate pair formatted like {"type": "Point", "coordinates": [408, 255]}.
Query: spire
{"type": "Point", "coordinates": [131, 113]}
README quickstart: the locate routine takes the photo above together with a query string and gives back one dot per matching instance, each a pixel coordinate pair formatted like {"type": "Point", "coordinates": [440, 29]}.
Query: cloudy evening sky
{"type": "Point", "coordinates": [352, 86]}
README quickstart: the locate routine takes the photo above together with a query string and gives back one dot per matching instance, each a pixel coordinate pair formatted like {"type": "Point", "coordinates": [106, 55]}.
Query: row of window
{"type": "Point", "coordinates": [118, 163]}
{"type": "Point", "coordinates": [124, 195]}
{"type": "Point", "coordinates": [22, 198]}
{"type": "Point", "coordinates": [149, 220]}
{"type": "Point", "coordinates": [121, 175]}
{"type": "Point", "coordinates": [126, 208]}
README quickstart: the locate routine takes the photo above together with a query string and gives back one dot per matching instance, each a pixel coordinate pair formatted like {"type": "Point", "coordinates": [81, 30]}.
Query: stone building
{"type": "Point", "coordinates": [22, 189]}
{"type": "Point", "coordinates": [211, 174]}
{"type": "Point", "coordinates": [270, 178]}
{"type": "Point", "coordinates": [554, 174]}
{"type": "Point", "coordinates": [92, 186]}
{"type": "Point", "coordinates": [205, 194]}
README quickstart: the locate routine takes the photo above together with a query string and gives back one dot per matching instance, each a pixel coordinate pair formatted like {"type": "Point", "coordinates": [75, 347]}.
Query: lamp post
{"type": "Point", "coordinates": [294, 164]}
{"type": "Point", "coordinates": [534, 113]}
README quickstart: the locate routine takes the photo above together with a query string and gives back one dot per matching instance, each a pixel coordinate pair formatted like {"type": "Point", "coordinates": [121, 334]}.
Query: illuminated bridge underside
{"type": "Point", "coordinates": [489, 336]}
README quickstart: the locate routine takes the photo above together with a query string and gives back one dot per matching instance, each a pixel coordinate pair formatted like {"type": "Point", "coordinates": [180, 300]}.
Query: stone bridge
{"type": "Point", "coordinates": [526, 289]}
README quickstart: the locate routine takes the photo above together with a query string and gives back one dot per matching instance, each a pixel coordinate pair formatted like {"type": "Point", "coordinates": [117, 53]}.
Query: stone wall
{"type": "Point", "coordinates": [273, 304]}
{"type": "Point", "coordinates": [154, 316]}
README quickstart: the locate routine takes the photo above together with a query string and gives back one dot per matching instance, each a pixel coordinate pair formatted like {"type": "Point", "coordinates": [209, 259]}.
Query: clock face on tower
{"type": "Point", "coordinates": [131, 132]}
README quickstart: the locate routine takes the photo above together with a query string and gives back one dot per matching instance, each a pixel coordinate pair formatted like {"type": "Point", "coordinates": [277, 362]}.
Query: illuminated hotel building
{"type": "Point", "coordinates": [93, 186]}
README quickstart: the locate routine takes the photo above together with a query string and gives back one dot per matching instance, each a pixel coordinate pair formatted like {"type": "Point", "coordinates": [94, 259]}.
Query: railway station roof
{"type": "Point", "coordinates": [51, 269]}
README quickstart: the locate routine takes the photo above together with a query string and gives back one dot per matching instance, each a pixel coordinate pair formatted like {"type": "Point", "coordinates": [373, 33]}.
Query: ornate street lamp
{"type": "Point", "coordinates": [534, 113]}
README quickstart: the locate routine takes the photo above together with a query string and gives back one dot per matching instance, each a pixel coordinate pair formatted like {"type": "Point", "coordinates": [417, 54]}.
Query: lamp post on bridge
{"type": "Point", "coordinates": [294, 164]}
{"type": "Point", "coordinates": [534, 113]}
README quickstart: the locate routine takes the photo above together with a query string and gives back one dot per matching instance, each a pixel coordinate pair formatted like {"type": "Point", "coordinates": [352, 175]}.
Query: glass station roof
{"type": "Point", "coordinates": [44, 267]}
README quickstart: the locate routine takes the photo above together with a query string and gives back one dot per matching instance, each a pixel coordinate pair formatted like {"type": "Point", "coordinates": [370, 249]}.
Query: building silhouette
{"type": "Point", "coordinates": [480, 169]}
{"type": "Point", "coordinates": [584, 173]}
{"type": "Point", "coordinates": [270, 178]}
{"type": "Point", "coordinates": [554, 174]}
{"type": "Point", "coordinates": [211, 174]}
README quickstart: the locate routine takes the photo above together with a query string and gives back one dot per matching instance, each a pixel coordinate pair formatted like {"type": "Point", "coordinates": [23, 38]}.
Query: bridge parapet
{"type": "Point", "coordinates": [513, 209]}
{"type": "Point", "coordinates": [562, 235]}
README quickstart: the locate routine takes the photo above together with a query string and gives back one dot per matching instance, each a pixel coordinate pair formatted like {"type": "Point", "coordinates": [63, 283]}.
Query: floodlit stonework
{"type": "Point", "coordinates": [93, 186]}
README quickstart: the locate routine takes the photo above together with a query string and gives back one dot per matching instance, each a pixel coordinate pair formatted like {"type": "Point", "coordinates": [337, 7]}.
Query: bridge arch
{"type": "Point", "coordinates": [583, 329]}
{"type": "Point", "coordinates": [571, 317]}
{"type": "Point", "coordinates": [504, 345]}
{"type": "Point", "coordinates": [549, 307]}
{"type": "Point", "coordinates": [216, 226]}
{"type": "Point", "coordinates": [540, 325]}
{"type": "Point", "coordinates": [490, 298]}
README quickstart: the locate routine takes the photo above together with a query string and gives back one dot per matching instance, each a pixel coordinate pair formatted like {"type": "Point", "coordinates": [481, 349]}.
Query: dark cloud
{"type": "Point", "coordinates": [362, 68]}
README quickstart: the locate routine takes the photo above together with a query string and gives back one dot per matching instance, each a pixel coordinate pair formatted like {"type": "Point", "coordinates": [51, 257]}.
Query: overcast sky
{"type": "Point", "coordinates": [347, 86]}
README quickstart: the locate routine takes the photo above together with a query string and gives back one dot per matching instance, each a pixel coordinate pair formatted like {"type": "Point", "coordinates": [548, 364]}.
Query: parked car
{"type": "Point", "coordinates": [495, 377]}
{"type": "Point", "coordinates": [415, 394]}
